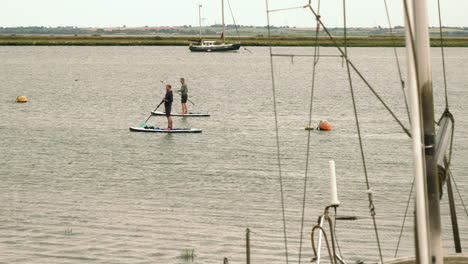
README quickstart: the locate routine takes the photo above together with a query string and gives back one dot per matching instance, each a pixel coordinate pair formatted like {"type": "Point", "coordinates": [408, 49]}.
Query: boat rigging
{"type": "Point", "coordinates": [432, 150]}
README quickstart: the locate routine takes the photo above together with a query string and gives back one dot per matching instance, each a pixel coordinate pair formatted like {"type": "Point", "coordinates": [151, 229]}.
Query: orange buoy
{"type": "Point", "coordinates": [324, 125]}
{"type": "Point", "coordinates": [21, 99]}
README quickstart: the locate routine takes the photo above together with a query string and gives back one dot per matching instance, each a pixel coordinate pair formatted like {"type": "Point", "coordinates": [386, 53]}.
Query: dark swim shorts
{"type": "Point", "coordinates": [168, 109]}
{"type": "Point", "coordinates": [184, 98]}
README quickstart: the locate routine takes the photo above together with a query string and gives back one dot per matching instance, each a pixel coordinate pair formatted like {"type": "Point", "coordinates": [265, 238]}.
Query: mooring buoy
{"type": "Point", "coordinates": [21, 99]}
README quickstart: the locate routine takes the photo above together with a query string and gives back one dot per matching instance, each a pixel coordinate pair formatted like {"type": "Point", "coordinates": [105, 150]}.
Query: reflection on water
{"type": "Point", "coordinates": [78, 187]}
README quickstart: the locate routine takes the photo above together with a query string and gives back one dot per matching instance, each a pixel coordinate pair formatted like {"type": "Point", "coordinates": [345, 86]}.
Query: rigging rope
{"type": "Point", "coordinates": [459, 194]}
{"type": "Point", "coordinates": [278, 149]}
{"type": "Point", "coordinates": [359, 73]}
{"type": "Point", "coordinates": [233, 19]}
{"type": "Point", "coordinates": [350, 64]}
{"type": "Point", "coordinates": [409, 28]}
{"type": "Point", "coordinates": [316, 51]}
{"type": "Point", "coordinates": [447, 105]}
{"type": "Point", "coordinates": [363, 158]}
{"type": "Point", "coordinates": [443, 55]}
{"type": "Point", "coordinates": [402, 82]}
{"type": "Point", "coordinates": [447, 112]}
{"type": "Point", "coordinates": [404, 220]}
{"type": "Point", "coordinates": [447, 167]}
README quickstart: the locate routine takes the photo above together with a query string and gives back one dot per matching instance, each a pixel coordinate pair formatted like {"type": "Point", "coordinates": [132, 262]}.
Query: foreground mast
{"type": "Point", "coordinates": [428, 223]}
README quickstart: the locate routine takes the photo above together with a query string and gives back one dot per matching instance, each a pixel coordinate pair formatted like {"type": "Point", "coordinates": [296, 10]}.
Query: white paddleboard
{"type": "Point", "coordinates": [178, 114]}
{"type": "Point", "coordinates": [162, 130]}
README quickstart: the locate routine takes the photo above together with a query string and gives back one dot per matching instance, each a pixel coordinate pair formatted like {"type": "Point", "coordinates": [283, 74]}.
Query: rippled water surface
{"type": "Point", "coordinates": [78, 187]}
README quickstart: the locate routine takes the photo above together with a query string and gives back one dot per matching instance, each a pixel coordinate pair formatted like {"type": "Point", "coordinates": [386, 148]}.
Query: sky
{"type": "Point", "coordinates": [110, 13]}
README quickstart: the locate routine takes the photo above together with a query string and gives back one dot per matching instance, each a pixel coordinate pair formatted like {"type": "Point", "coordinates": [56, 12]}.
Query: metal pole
{"type": "Point", "coordinates": [453, 214]}
{"type": "Point", "coordinates": [222, 4]}
{"type": "Point", "coordinates": [199, 17]}
{"type": "Point", "coordinates": [427, 106]}
{"type": "Point", "coordinates": [425, 165]}
{"type": "Point", "coordinates": [247, 245]}
{"type": "Point", "coordinates": [421, 219]}
{"type": "Point", "coordinates": [319, 247]}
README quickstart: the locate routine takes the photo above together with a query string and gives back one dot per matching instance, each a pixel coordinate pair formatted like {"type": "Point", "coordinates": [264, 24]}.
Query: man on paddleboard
{"type": "Point", "coordinates": [168, 105]}
{"type": "Point", "coordinates": [183, 95]}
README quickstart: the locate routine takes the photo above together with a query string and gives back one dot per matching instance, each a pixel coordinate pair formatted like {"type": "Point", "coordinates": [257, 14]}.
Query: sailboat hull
{"type": "Point", "coordinates": [215, 48]}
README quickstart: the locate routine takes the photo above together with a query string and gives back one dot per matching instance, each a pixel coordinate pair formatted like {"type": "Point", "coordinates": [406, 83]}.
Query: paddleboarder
{"type": "Point", "coordinates": [183, 95]}
{"type": "Point", "coordinates": [168, 105]}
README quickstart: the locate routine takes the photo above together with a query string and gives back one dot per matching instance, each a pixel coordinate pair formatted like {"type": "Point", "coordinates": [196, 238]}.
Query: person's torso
{"type": "Point", "coordinates": [169, 98]}
{"type": "Point", "coordinates": [184, 89]}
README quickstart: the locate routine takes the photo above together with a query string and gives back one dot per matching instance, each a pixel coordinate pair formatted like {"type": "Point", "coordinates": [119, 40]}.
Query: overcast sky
{"type": "Point", "coordinates": [104, 13]}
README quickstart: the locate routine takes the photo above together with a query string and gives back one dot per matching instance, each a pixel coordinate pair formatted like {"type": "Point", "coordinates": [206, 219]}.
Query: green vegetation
{"type": "Point", "coordinates": [187, 255]}
{"type": "Point", "coordinates": [248, 36]}
{"type": "Point", "coordinates": [95, 40]}
{"type": "Point", "coordinates": [68, 231]}
{"type": "Point", "coordinates": [371, 41]}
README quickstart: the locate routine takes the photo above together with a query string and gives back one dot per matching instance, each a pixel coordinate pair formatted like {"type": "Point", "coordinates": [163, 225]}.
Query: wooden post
{"type": "Point", "coordinates": [247, 245]}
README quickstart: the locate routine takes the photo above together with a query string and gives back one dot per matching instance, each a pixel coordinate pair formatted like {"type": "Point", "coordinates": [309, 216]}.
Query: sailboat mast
{"type": "Point", "coordinates": [199, 17]}
{"type": "Point", "coordinates": [428, 223]}
{"type": "Point", "coordinates": [222, 7]}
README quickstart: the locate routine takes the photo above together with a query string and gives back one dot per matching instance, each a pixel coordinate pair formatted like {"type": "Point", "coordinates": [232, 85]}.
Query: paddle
{"type": "Point", "coordinates": [144, 124]}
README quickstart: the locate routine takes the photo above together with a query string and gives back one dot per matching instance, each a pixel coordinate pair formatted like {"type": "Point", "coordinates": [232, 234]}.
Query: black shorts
{"type": "Point", "coordinates": [168, 110]}
{"type": "Point", "coordinates": [184, 98]}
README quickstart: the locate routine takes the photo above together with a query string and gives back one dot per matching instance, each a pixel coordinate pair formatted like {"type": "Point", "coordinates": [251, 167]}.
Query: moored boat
{"type": "Point", "coordinates": [211, 45]}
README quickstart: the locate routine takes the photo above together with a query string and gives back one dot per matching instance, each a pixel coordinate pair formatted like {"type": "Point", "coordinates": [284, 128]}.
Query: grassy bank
{"type": "Point", "coordinates": [377, 41]}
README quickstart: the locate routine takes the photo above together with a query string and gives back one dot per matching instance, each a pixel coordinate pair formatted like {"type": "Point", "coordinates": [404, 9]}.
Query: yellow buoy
{"type": "Point", "coordinates": [21, 99]}
{"type": "Point", "coordinates": [309, 128]}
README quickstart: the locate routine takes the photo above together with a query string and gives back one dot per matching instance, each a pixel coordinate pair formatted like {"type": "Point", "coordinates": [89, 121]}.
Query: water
{"type": "Point", "coordinates": [78, 187]}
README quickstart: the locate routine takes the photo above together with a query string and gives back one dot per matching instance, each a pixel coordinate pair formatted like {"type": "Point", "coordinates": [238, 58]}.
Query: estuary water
{"type": "Point", "coordinates": [77, 187]}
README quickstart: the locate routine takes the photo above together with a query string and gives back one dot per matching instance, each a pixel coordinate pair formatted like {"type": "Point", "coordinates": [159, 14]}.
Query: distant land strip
{"type": "Point", "coordinates": [97, 40]}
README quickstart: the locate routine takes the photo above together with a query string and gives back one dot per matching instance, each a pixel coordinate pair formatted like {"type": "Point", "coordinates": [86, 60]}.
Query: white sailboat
{"type": "Point", "coordinates": [211, 45]}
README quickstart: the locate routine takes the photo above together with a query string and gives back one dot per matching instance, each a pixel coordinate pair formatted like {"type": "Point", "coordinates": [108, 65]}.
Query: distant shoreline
{"type": "Point", "coordinates": [80, 40]}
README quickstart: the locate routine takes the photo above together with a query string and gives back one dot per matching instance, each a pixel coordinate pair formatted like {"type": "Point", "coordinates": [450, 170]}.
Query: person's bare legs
{"type": "Point", "coordinates": [169, 123]}
{"type": "Point", "coordinates": [184, 107]}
